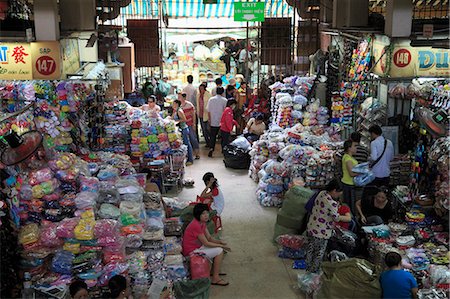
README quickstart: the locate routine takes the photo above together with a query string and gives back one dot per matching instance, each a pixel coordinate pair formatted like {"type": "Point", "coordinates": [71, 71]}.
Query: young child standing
{"type": "Point", "coordinates": [396, 282]}
{"type": "Point", "coordinates": [213, 192]}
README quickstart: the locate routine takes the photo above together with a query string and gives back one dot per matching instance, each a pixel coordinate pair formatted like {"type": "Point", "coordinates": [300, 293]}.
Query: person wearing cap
{"type": "Point", "coordinates": [202, 100]}
{"type": "Point", "coordinates": [151, 105]}
{"type": "Point", "coordinates": [189, 112]}
{"type": "Point", "coordinates": [321, 224]}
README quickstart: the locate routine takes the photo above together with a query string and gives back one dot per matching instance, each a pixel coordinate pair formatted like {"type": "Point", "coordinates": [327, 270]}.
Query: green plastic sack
{"type": "Point", "coordinates": [192, 289]}
{"type": "Point", "coordinates": [295, 200]}
{"type": "Point", "coordinates": [292, 212]}
{"type": "Point", "coordinates": [282, 230]}
{"type": "Point", "coordinates": [352, 278]}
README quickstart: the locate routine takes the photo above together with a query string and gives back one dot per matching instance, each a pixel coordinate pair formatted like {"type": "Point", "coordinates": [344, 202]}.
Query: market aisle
{"type": "Point", "coordinates": [253, 269]}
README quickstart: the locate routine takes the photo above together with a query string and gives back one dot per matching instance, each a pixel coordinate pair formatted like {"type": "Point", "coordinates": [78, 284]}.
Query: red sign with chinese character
{"type": "Point", "coordinates": [15, 61]}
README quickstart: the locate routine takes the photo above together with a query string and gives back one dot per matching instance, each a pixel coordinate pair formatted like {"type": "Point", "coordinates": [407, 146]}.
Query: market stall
{"type": "Point", "coordinates": [298, 147]}
{"type": "Point", "coordinates": [83, 214]}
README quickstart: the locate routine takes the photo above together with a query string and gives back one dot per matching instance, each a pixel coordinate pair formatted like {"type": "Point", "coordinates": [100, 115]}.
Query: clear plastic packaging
{"type": "Point", "coordinates": [65, 228]}
{"type": "Point", "coordinates": [85, 229]}
{"type": "Point", "coordinates": [86, 200]}
{"type": "Point", "coordinates": [62, 262]}
{"type": "Point", "coordinates": [291, 241]}
{"type": "Point", "coordinates": [40, 176]}
{"type": "Point", "coordinates": [131, 207]}
{"type": "Point", "coordinates": [106, 227]}
{"type": "Point", "coordinates": [49, 237]}
{"type": "Point", "coordinates": [289, 253]}
{"type": "Point", "coordinates": [89, 184]}
{"type": "Point", "coordinates": [108, 211]}
{"type": "Point", "coordinates": [308, 282]}
{"type": "Point", "coordinates": [110, 196]}
{"type": "Point", "coordinates": [29, 234]}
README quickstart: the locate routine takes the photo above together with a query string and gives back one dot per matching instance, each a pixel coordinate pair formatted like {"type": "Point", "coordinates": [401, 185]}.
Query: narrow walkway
{"type": "Point", "coordinates": [253, 269]}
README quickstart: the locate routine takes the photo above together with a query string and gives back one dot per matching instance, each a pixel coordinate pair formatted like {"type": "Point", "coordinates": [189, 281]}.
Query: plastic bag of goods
{"type": "Point", "coordinates": [289, 253]}
{"type": "Point", "coordinates": [199, 266]}
{"type": "Point", "coordinates": [308, 282]}
{"type": "Point", "coordinates": [291, 241]}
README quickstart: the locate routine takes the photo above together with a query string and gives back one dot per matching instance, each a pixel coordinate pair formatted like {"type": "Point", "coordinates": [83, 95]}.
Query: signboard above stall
{"type": "Point", "coordinates": [26, 61]}
{"type": "Point", "coordinates": [249, 11]}
{"type": "Point", "coordinates": [410, 61]}
{"type": "Point", "coordinates": [15, 61]}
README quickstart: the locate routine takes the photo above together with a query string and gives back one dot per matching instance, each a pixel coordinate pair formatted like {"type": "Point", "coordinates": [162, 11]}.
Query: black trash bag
{"type": "Point", "coordinates": [236, 158]}
{"type": "Point", "coordinates": [192, 289]}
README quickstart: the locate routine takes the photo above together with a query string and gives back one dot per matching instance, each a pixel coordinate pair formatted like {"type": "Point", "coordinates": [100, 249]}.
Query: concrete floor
{"type": "Point", "coordinates": [253, 268]}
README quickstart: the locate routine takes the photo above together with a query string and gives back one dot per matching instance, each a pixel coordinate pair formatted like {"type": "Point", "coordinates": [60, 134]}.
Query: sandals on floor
{"type": "Point", "coordinates": [221, 283]}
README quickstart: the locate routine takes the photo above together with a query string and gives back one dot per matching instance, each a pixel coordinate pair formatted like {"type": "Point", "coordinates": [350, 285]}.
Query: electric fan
{"type": "Point", "coordinates": [17, 148]}
{"type": "Point", "coordinates": [425, 117]}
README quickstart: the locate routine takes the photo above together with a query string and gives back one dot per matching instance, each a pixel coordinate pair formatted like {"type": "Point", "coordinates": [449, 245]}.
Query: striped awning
{"type": "Point", "coordinates": [143, 9]}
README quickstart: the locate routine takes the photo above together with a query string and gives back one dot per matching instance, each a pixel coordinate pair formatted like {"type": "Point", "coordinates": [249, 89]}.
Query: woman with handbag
{"type": "Point", "coordinates": [348, 162]}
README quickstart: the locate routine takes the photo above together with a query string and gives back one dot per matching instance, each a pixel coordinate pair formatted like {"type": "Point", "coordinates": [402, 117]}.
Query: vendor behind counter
{"type": "Point", "coordinates": [374, 207]}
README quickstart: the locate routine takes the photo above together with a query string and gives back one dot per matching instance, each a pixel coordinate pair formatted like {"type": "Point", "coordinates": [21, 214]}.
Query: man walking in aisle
{"type": "Point", "coordinates": [191, 96]}
{"type": "Point", "coordinates": [189, 112]}
{"type": "Point", "coordinates": [381, 154]}
{"type": "Point", "coordinates": [203, 97]}
{"type": "Point", "coordinates": [218, 84]}
{"type": "Point", "coordinates": [215, 107]}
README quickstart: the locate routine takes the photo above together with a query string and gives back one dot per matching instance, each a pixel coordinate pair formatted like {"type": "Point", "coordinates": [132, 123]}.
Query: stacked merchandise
{"type": "Point", "coordinates": [116, 128]}
{"type": "Point", "coordinates": [306, 155]}
{"type": "Point", "coordinates": [152, 137]}
{"type": "Point", "coordinates": [440, 154]}
{"type": "Point", "coordinates": [360, 62]}
{"type": "Point", "coordinates": [81, 217]}
{"type": "Point", "coordinates": [423, 245]}
{"type": "Point", "coordinates": [400, 169]}
{"type": "Point", "coordinates": [372, 112]}
{"type": "Point", "coordinates": [54, 113]}
{"type": "Point", "coordinates": [289, 99]}
{"type": "Point", "coordinates": [91, 221]}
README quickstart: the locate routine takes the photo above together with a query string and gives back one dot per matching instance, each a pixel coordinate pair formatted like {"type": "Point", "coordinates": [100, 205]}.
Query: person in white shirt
{"type": "Point", "coordinates": [255, 128]}
{"type": "Point", "coordinates": [151, 107]}
{"type": "Point", "coordinates": [191, 96]}
{"type": "Point", "coordinates": [190, 91]}
{"type": "Point", "coordinates": [381, 154]}
{"type": "Point", "coordinates": [216, 106]}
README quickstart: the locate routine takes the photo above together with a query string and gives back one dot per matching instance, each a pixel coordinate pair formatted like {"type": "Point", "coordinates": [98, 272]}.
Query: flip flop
{"type": "Point", "coordinates": [223, 284]}
{"type": "Point", "coordinates": [222, 274]}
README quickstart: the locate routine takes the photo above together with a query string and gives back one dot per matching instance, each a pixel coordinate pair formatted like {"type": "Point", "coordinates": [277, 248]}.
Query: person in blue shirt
{"type": "Point", "coordinates": [396, 282]}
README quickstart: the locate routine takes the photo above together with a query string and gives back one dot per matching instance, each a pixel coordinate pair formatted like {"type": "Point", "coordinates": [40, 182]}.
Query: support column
{"type": "Point", "coordinates": [46, 20]}
{"type": "Point", "coordinates": [398, 18]}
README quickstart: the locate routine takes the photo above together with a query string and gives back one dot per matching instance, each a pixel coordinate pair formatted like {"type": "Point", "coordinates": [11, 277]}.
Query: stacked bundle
{"type": "Point", "coordinates": [289, 99]}
{"type": "Point", "coordinates": [116, 129]}
{"type": "Point", "coordinates": [373, 112]}
{"type": "Point", "coordinates": [151, 136]}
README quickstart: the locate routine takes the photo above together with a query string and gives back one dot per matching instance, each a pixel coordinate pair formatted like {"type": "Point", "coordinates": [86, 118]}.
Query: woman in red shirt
{"type": "Point", "coordinates": [227, 122]}
{"type": "Point", "coordinates": [196, 239]}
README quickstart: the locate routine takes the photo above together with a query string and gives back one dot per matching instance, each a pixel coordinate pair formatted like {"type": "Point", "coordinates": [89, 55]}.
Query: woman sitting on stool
{"type": "Point", "coordinates": [374, 207]}
{"type": "Point", "coordinates": [255, 128]}
{"type": "Point", "coordinates": [196, 239]}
